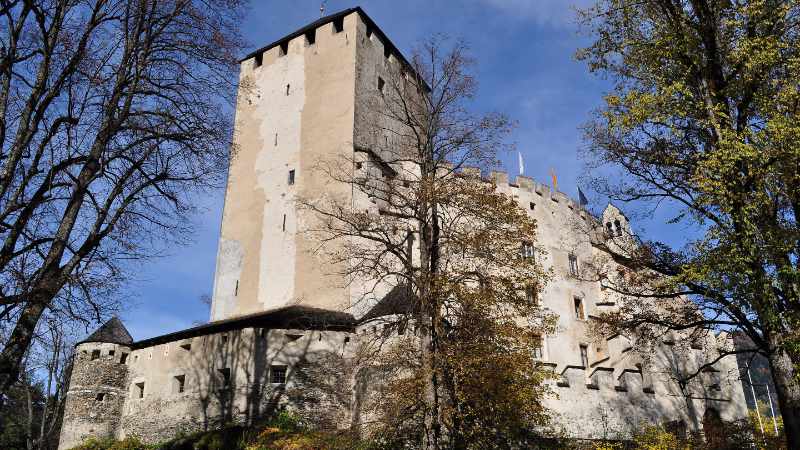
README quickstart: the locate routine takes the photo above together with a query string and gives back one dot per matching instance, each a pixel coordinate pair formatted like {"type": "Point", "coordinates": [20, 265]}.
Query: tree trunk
{"type": "Point", "coordinates": [19, 342]}
{"type": "Point", "coordinates": [788, 390]}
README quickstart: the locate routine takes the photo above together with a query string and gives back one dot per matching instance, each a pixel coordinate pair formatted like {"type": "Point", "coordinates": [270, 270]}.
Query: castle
{"type": "Point", "coordinates": [275, 302]}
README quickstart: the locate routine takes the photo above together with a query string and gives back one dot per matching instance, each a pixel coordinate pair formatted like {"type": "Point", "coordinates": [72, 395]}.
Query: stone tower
{"type": "Point", "coordinates": [98, 385]}
{"type": "Point", "coordinates": [298, 105]}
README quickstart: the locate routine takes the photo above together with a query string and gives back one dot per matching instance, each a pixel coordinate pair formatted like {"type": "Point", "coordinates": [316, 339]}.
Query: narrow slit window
{"type": "Point", "coordinates": [617, 228]}
{"type": "Point", "coordinates": [236, 289]}
{"type": "Point", "coordinates": [338, 25]}
{"type": "Point", "coordinates": [276, 139]}
{"type": "Point", "coordinates": [284, 222]}
{"type": "Point", "coordinates": [258, 60]}
{"type": "Point", "coordinates": [180, 383]}
{"type": "Point", "coordinates": [381, 85]}
{"type": "Point", "coordinates": [288, 88]}
{"type": "Point", "coordinates": [277, 374]}
{"type": "Point", "coordinates": [387, 52]}
{"type": "Point", "coordinates": [311, 37]}
{"type": "Point", "coordinates": [573, 265]}
{"type": "Point", "coordinates": [284, 48]}
{"type": "Point", "coordinates": [291, 177]}
{"type": "Point", "coordinates": [584, 355]}
{"type": "Point", "coordinates": [579, 314]}
{"type": "Point", "coordinates": [123, 358]}
{"type": "Point", "coordinates": [139, 388]}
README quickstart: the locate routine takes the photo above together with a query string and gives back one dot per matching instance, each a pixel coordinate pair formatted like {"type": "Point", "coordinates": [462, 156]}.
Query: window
{"type": "Point", "coordinates": [338, 25]}
{"type": "Point", "coordinates": [528, 250]}
{"type": "Point", "coordinates": [284, 48]}
{"type": "Point", "coordinates": [369, 32]}
{"type": "Point", "coordinates": [530, 294]}
{"type": "Point", "coordinates": [532, 205]}
{"type": "Point", "coordinates": [584, 355]}
{"type": "Point", "coordinates": [538, 352]}
{"type": "Point", "coordinates": [225, 377]}
{"type": "Point", "coordinates": [358, 166]}
{"type": "Point", "coordinates": [139, 388]}
{"type": "Point", "coordinates": [111, 353]}
{"type": "Point", "coordinates": [123, 358]}
{"type": "Point", "coordinates": [258, 60]}
{"type": "Point", "coordinates": [180, 383]}
{"type": "Point", "coordinates": [291, 177]}
{"type": "Point", "coordinates": [573, 265]}
{"type": "Point", "coordinates": [293, 337]}
{"type": "Point", "coordinates": [100, 397]}
{"type": "Point", "coordinates": [311, 37]}
{"type": "Point", "coordinates": [617, 228]}
{"type": "Point", "coordinates": [236, 289]}
{"type": "Point", "coordinates": [277, 374]}
{"type": "Point", "coordinates": [579, 309]}
{"type": "Point", "coordinates": [381, 84]}
{"type": "Point", "coordinates": [276, 139]}
{"type": "Point", "coordinates": [288, 88]}
{"type": "Point", "coordinates": [188, 345]}
{"type": "Point", "coordinates": [609, 229]}
{"type": "Point", "coordinates": [224, 338]}
{"type": "Point", "coordinates": [95, 354]}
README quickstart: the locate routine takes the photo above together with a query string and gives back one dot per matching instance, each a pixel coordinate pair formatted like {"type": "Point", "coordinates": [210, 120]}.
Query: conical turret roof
{"type": "Point", "coordinates": [113, 332]}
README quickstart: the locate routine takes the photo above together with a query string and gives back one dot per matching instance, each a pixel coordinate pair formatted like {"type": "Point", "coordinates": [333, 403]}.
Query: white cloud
{"type": "Point", "coordinates": [557, 13]}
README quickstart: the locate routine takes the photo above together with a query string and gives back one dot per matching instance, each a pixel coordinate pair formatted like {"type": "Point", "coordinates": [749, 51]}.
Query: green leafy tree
{"type": "Point", "coordinates": [704, 118]}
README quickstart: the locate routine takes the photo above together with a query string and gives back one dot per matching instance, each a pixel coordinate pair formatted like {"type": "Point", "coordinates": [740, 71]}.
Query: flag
{"type": "Point", "coordinates": [521, 164]}
{"type": "Point", "coordinates": [554, 178]}
{"type": "Point", "coordinates": [582, 198]}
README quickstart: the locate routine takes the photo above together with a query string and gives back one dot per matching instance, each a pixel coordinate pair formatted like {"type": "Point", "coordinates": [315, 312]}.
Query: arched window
{"type": "Point", "coordinates": [617, 228]}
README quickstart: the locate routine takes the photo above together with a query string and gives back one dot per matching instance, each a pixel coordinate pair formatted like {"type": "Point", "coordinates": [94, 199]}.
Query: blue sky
{"type": "Point", "coordinates": [526, 68]}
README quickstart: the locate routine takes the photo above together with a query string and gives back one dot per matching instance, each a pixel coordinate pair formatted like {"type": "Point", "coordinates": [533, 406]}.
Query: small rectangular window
{"type": "Point", "coordinates": [381, 84]}
{"type": "Point", "coordinates": [538, 348]}
{"type": "Point", "coordinates": [369, 32]}
{"type": "Point", "coordinates": [291, 177]}
{"type": "Point", "coordinates": [123, 358]}
{"type": "Point", "coordinates": [111, 353]}
{"type": "Point", "coordinates": [311, 37]}
{"type": "Point", "coordinates": [284, 48]}
{"type": "Point", "coordinates": [180, 383]}
{"type": "Point", "coordinates": [532, 205]}
{"type": "Point", "coordinates": [584, 355]}
{"type": "Point", "coordinates": [95, 354]}
{"type": "Point", "coordinates": [528, 250]}
{"type": "Point", "coordinates": [573, 265]}
{"type": "Point", "coordinates": [258, 60]}
{"type": "Point", "coordinates": [277, 374]}
{"type": "Point", "coordinates": [579, 309]}
{"type": "Point", "coordinates": [530, 295]}
{"type": "Point", "coordinates": [338, 25]}
{"type": "Point", "coordinates": [387, 52]}
{"type": "Point", "coordinates": [139, 389]}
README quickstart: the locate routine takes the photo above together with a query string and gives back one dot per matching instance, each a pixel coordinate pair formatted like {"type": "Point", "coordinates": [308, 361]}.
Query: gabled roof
{"type": "Point", "coordinates": [326, 20]}
{"type": "Point", "coordinates": [287, 317]}
{"type": "Point", "coordinates": [399, 301]}
{"type": "Point", "coordinates": [112, 332]}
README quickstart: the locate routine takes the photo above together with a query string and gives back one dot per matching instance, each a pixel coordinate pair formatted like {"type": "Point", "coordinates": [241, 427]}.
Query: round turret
{"type": "Point", "coordinates": [97, 386]}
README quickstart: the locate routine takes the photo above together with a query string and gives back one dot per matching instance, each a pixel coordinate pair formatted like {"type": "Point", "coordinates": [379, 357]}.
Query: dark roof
{"type": "Point", "coordinates": [295, 316]}
{"type": "Point", "coordinates": [113, 332]}
{"type": "Point", "coordinates": [398, 301]}
{"type": "Point", "coordinates": [328, 19]}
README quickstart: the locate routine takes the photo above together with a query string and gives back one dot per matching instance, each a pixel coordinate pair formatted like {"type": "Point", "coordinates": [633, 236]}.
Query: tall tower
{"type": "Point", "coordinates": [298, 104]}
